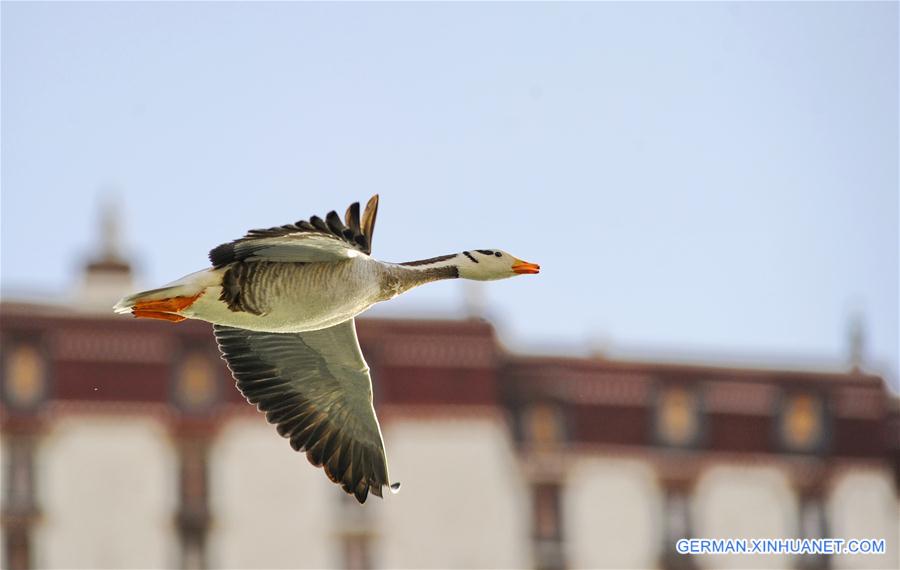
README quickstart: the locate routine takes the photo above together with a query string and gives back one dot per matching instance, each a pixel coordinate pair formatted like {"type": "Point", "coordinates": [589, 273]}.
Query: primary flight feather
{"type": "Point", "coordinates": [283, 301]}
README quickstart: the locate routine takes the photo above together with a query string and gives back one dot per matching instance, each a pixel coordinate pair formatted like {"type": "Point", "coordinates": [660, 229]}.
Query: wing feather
{"type": "Point", "coordinates": [316, 389]}
{"type": "Point", "coordinates": [351, 218]}
{"type": "Point", "coordinates": [368, 220]}
{"type": "Point", "coordinates": [312, 241]}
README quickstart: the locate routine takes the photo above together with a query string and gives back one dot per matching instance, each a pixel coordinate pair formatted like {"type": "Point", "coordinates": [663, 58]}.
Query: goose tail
{"type": "Point", "coordinates": [166, 303]}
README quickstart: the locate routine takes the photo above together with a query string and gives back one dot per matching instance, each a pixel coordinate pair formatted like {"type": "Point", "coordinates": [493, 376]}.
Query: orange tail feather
{"type": "Point", "coordinates": [157, 315]}
{"type": "Point", "coordinates": [164, 309]}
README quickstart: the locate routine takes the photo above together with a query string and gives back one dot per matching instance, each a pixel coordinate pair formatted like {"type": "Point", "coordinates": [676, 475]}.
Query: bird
{"type": "Point", "coordinates": [283, 302]}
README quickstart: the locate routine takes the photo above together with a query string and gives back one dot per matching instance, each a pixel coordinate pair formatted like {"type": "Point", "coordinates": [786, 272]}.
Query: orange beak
{"type": "Point", "coordinates": [525, 268]}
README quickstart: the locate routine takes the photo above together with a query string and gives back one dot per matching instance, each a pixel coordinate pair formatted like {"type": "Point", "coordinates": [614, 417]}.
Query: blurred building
{"type": "Point", "coordinates": [126, 445]}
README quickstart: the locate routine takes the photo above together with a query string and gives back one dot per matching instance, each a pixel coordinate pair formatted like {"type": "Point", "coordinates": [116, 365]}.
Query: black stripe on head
{"type": "Point", "coordinates": [469, 255]}
{"type": "Point", "coordinates": [485, 251]}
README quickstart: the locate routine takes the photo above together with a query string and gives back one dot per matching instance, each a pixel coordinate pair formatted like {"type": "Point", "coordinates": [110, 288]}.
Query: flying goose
{"type": "Point", "coordinates": [282, 302]}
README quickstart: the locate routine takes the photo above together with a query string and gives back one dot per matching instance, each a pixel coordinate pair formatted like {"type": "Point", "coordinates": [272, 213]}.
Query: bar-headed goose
{"type": "Point", "coordinates": [282, 301]}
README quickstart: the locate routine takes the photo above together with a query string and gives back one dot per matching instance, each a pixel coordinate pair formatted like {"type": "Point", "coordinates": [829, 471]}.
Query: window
{"type": "Point", "coordinates": [813, 524]}
{"type": "Point", "coordinates": [801, 423]}
{"type": "Point", "coordinates": [193, 512]}
{"type": "Point", "coordinates": [677, 418]}
{"type": "Point", "coordinates": [19, 509]}
{"type": "Point", "coordinates": [677, 525]}
{"type": "Point", "coordinates": [543, 425]}
{"type": "Point", "coordinates": [355, 548]}
{"type": "Point", "coordinates": [24, 375]}
{"type": "Point", "coordinates": [195, 387]}
{"type": "Point", "coordinates": [354, 533]}
{"type": "Point", "coordinates": [547, 526]}
{"type": "Point", "coordinates": [546, 511]}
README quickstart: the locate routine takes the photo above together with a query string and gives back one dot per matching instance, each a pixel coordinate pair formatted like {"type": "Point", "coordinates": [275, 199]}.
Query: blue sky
{"type": "Point", "coordinates": [699, 181]}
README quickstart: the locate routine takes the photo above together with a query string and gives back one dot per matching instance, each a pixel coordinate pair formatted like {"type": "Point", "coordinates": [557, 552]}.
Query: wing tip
{"type": "Point", "coordinates": [368, 219]}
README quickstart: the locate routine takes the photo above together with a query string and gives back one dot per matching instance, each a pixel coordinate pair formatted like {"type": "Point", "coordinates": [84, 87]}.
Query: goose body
{"type": "Point", "coordinates": [283, 301]}
{"type": "Point", "coordinates": [296, 297]}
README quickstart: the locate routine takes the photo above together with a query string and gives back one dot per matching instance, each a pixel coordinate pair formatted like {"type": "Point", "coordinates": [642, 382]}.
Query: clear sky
{"type": "Point", "coordinates": [701, 181]}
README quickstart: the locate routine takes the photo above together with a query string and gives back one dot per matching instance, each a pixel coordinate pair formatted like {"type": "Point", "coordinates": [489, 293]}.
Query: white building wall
{"type": "Point", "coordinates": [613, 513]}
{"type": "Point", "coordinates": [271, 508]}
{"type": "Point", "coordinates": [863, 504]}
{"type": "Point", "coordinates": [745, 502]}
{"type": "Point", "coordinates": [463, 502]}
{"type": "Point", "coordinates": [106, 486]}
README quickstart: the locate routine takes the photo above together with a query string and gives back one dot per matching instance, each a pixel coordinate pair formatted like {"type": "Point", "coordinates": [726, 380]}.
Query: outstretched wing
{"type": "Point", "coordinates": [305, 241]}
{"type": "Point", "coordinates": [315, 387]}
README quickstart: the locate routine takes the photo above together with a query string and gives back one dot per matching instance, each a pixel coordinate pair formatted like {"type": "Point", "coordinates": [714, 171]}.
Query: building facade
{"type": "Point", "coordinates": [126, 445]}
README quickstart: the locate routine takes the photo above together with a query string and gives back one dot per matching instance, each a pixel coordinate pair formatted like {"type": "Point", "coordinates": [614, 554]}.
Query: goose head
{"type": "Point", "coordinates": [492, 264]}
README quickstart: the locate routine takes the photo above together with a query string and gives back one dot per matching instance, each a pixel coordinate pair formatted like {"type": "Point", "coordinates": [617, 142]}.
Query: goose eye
{"type": "Point", "coordinates": [498, 254]}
